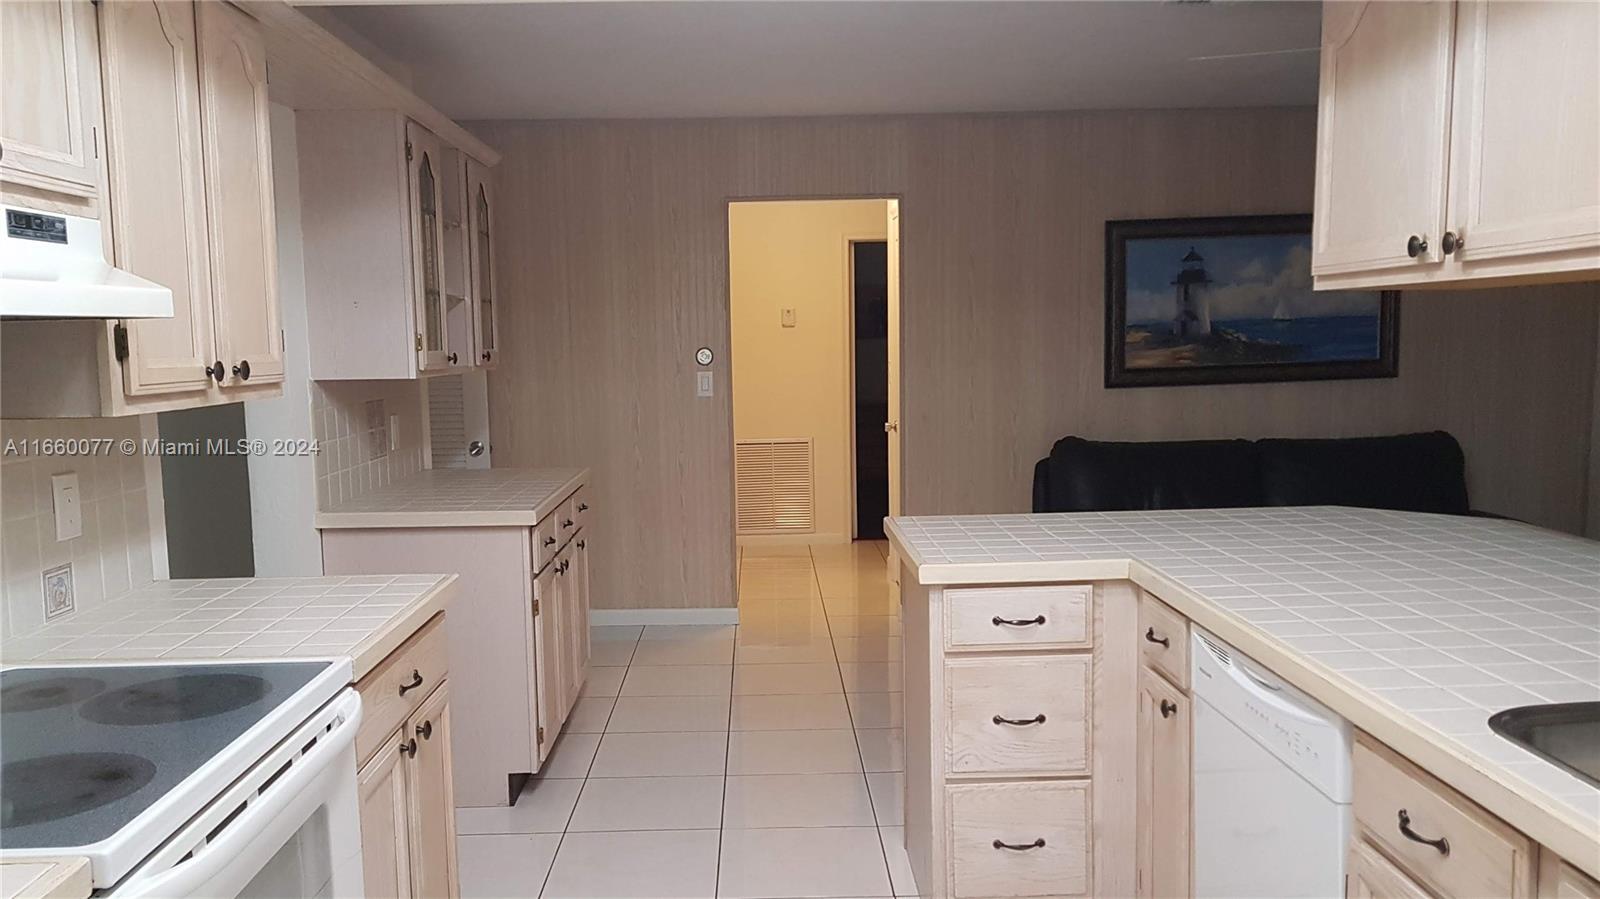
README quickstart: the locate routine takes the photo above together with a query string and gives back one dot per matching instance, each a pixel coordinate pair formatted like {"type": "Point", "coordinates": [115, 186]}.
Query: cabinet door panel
{"type": "Point", "coordinates": [432, 805]}
{"type": "Point", "coordinates": [428, 171]}
{"type": "Point", "coordinates": [1371, 876]}
{"type": "Point", "coordinates": [545, 666]}
{"type": "Point", "coordinates": [1382, 134]}
{"type": "Point", "coordinates": [1164, 810]}
{"type": "Point", "coordinates": [157, 187]}
{"type": "Point", "coordinates": [480, 239]}
{"type": "Point", "coordinates": [238, 167]}
{"type": "Point", "coordinates": [1525, 143]}
{"type": "Point", "coordinates": [50, 95]}
{"type": "Point", "coordinates": [385, 824]}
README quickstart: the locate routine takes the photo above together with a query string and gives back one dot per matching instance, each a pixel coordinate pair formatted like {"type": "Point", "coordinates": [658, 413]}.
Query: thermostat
{"type": "Point", "coordinates": [704, 355]}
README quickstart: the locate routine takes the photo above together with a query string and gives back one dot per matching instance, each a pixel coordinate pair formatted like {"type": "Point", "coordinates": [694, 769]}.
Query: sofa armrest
{"type": "Point", "coordinates": [1041, 485]}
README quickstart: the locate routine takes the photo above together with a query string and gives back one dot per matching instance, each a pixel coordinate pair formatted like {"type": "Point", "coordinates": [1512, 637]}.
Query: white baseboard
{"type": "Point", "coordinates": [792, 539]}
{"type": "Point", "coordinates": [608, 617]}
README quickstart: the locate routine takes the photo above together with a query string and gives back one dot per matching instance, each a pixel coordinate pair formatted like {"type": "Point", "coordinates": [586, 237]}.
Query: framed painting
{"type": "Point", "coordinates": [1228, 300]}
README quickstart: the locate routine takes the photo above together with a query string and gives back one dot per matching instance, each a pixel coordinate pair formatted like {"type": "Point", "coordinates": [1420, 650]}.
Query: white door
{"type": "Point", "coordinates": [1382, 136]}
{"type": "Point", "coordinates": [893, 424]}
{"type": "Point", "coordinates": [1525, 143]}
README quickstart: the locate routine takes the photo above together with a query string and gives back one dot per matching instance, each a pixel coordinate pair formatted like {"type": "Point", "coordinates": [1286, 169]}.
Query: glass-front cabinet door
{"type": "Point", "coordinates": [426, 158]}
{"type": "Point", "coordinates": [485, 305]}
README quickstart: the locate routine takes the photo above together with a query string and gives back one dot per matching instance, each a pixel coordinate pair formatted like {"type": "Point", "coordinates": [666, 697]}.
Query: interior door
{"type": "Point", "coordinates": [425, 154]}
{"type": "Point", "coordinates": [157, 187]}
{"type": "Point", "coordinates": [896, 441]}
{"type": "Point", "coordinates": [1525, 143]}
{"type": "Point", "coordinates": [1382, 135]}
{"type": "Point", "coordinates": [50, 96]}
{"type": "Point", "coordinates": [485, 319]}
{"type": "Point", "coordinates": [1163, 788]}
{"type": "Point", "coordinates": [237, 145]}
{"type": "Point", "coordinates": [432, 808]}
{"type": "Point", "coordinates": [385, 824]}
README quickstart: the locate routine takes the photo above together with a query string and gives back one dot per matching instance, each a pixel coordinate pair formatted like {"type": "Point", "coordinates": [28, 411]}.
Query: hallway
{"type": "Point", "coordinates": [760, 761]}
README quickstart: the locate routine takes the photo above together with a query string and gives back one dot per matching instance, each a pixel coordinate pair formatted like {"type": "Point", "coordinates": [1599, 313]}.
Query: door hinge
{"type": "Point", "coordinates": [419, 343]}
{"type": "Point", "coordinates": [119, 341]}
{"type": "Point", "coordinates": [408, 151]}
{"type": "Point", "coordinates": [541, 736]}
{"type": "Point", "coordinates": [536, 608]}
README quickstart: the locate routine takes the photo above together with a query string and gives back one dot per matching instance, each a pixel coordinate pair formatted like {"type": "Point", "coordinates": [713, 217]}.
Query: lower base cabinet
{"type": "Point", "coordinates": [1165, 813]}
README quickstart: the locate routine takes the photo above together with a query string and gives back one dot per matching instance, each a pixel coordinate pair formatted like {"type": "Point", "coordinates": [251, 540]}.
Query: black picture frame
{"type": "Point", "coordinates": [1117, 372]}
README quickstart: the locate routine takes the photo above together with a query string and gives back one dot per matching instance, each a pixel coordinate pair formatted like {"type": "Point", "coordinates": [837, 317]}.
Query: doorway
{"type": "Point", "coordinates": [813, 328]}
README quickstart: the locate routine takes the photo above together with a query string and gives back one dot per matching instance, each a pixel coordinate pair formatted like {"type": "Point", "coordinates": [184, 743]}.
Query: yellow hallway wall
{"type": "Point", "coordinates": [795, 382]}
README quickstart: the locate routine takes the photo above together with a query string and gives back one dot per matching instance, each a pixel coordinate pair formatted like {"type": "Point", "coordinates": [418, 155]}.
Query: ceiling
{"type": "Point", "coordinates": [672, 59]}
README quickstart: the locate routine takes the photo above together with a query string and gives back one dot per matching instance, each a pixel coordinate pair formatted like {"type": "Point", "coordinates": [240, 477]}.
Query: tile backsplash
{"type": "Point", "coordinates": [351, 422]}
{"type": "Point", "coordinates": [112, 556]}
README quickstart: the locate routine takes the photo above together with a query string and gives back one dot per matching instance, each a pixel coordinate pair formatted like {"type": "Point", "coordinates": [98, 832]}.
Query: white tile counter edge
{"type": "Point", "coordinates": [1523, 806]}
{"type": "Point", "coordinates": [407, 515]}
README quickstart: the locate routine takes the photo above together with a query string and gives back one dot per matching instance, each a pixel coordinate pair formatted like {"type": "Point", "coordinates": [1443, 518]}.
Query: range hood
{"type": "Point", "coordinates": [53, 266]}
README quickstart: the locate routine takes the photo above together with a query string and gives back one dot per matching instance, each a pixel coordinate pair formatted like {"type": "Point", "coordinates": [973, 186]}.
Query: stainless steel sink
{"type": "Point", "coordinates": [1567, 733]}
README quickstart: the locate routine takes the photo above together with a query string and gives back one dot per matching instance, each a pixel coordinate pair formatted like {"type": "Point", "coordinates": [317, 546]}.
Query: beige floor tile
{"type": "Point", "coordinates": [780, 550]}
{"type": "Point", "coordinates": [870, 677]}
{"type": "Point", "coordinates": [861, 555]}
{"type": "Point", "coordinates": [571, 756]}
{"type": "Point", "coordinates": [494, 866]}
{"type": "Point", "coordinates": [793, 752]}
{"type": "Point", "coordinates": [900, 873]}
{"type": "Point", "coordinates": [649, 803]}
{"type": "Point", "coordinates": [678, 680]}
{"type": "Point", "coordinates": [864, 625]}
{"type": "Point", "coordinates": [607, 653]}
{"type": "Point", "coordinates": [756, 648]}
{"type": "Point", "coordinates": [888, 790]}
{"type": "Point", "coordinates": [660, 755]}
{"type": "Point", "coordinates": [882, 750]}
{"type": "Point", "coordinates": [876, 709]}
{"type": "Point", "coordinates": [766, 585]}
{"type": "Point", "coordinates": [661, 714]}
{"type": "Point", "coordinates": [603, 633]}
{"type": "Point", "coordinates": [807, 861]}
{"type": "Point", "coordinates": [797, 800]}
{"type": "Point", "coordinates": [861, 604]}
{"type": "Point", "coordinates": [544, 807]}
{"type": "Point", "coordinates": [810, 677]}
{"type": "Point", "coordinates": [603, 681]}
{"type": "Point", "coordinates": [867, 649]}
{"type": "Point", "coordinates": [803, 711]}
{"type": "Point", "coordinates": [661, 864]}
{"type": "Point", "coordinates": [589, 716]}
{"type": "Point", "coordinates": [701, 632]}
{"type": "Point", "coordinates": [690, 650]}
{"type": "Point", "coordinates": [841, 582]}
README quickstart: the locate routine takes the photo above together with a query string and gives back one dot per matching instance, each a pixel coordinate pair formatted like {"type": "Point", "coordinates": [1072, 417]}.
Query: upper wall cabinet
{"type": "Point", "coordinates": [386, 230]}
{"type": "Point", "coordinates": [480, 242]}
{"type": "Point", "coordinates": [1457, 143]}
{"type": "Point", "coordinates": [50, 103]}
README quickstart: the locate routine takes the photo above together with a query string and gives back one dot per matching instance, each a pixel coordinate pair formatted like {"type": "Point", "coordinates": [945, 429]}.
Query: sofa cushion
{"type": "Point", "coordinates": [1100, 476]}
{"type": "Point", "coordinates": [1411, 472]}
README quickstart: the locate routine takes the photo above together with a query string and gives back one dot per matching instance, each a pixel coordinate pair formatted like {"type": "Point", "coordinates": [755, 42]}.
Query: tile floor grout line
{"type": "Point", "coordinates": [727, 749]}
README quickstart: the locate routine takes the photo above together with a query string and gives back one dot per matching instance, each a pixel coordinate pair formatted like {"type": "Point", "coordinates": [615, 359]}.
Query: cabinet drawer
{"type": "Point", "coordinates": [1050, 818]}
{"type": "Point", "coordinates": [580, 507]}
{"type": "Point", "coordinates": [1485, 858]}
{"type": "Point", "coordinates": [1019, 617]}
{"type": "Point", "coordinates": [1164, 639]}
{"type": "Point", "coordinates": [391, 692]}
{"type": "Point", "coordinates": [994, 705]}
{"type": "Point", "coordinates": [546, 543]}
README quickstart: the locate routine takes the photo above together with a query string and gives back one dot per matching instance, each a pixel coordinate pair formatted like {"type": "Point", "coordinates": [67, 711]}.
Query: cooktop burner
{"type": "Point", "coordinates": [56, 786]}
{"type": "Point", "coordinates": [49, 693]}
{"type": "Point", "coordinates": [182, 698]}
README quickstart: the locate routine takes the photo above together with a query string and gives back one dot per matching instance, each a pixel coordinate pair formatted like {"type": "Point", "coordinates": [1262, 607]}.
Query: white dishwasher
{"type": "Point", "coordinates": [1271, 782]}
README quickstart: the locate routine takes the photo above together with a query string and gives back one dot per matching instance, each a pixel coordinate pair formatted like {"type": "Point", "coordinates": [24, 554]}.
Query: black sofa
{"type": "Point", "coordinates": [1409, 472]}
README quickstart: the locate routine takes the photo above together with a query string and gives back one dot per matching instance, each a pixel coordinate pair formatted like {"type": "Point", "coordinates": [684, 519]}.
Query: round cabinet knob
{"type": "Point", "coordinates": [1417, 245]}
{"type": "Point", "coordinates": [1450, 242]}
{"type": "Point", "coordinates": [216, 372]}
{"type": "Point", "coordinates": [486, 355]}
{"type": "Point", "coordinates": [242, 370]}
{"type": "Point", "coordinates": [409, 747]}
{"type": "Point", "coordinates": [425, 730]}
{"type": "Point", "coordinates": [1168, 708]}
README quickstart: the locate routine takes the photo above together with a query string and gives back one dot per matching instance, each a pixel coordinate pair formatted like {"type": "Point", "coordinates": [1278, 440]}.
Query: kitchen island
{"type": "Point", "coordinates": [1415, 628]}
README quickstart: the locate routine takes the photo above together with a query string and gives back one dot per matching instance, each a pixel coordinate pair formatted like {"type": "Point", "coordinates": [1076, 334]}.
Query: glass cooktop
{"type": "Point", "coordinates": [84, 750]}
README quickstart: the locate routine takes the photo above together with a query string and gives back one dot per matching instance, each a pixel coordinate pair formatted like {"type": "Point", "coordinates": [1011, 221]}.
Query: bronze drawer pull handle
{"type": "Point", "coordinates": [1020, 722]}
{"type": "Point", "coordinates": [583, 507]}
{"type": "Point", "coordinates": [1018, 622]}
{"type": "Point", "coordinates": [416, 681]}
{"type": "Point", "coordinates": [549, 541]}
{"type": "Point", "coordinates": [1441, 844]}
{"type": "Point", "coordinates": [1019, 847]}
{"type": "Point", "coordinates": [1150, 634]}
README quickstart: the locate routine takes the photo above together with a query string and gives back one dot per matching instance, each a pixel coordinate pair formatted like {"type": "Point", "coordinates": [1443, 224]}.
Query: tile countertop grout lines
{"type": "Point", "coordinates": [363, 617]}
{"type": "Point", "coordinates": [489, 497]}
{"type": "Point", "coordinates": [1415, 627]}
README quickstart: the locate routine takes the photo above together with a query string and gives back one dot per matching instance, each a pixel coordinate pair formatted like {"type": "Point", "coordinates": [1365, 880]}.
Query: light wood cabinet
{"type": "Point", "coordinates": [50, 105]}
{"type": "Point", "coordinates": [1368, 875]}
{"type": "Point", "coordinates": [480, 222]}
{"type": "Point", "coordinates": [1457, 143]}
{"type": "Point", "coordinates": [1559, 880]}
{"type": "Point", "coordinates": [408, 832]}
{"type": "Point", "coordinates": [1165, 811]}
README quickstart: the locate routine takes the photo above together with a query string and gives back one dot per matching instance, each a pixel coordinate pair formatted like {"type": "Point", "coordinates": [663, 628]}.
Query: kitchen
{"type": "Point", "coordinates": [457, 336]}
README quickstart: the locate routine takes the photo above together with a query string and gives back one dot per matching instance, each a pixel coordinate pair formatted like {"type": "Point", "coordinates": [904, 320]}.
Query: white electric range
{"type": "Point", "coordinates": [185, 779]}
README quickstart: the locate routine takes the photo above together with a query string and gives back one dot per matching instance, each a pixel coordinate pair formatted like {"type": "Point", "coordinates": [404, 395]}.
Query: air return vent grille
{"type": "Point", "coordinates": [773, 486]}
{"type": "Point", "coordinates": [447, 430]}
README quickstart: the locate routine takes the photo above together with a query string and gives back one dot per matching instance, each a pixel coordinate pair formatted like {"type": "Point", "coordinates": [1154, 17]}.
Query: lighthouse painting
{"type": "Point", "coordinates": [1230, 300]}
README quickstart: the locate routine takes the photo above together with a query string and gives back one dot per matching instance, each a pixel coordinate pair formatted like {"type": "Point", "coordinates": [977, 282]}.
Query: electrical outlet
{"type": "Point", "coordinates": [58, 596]}
{"type": "Point", "coordinates": [702, 384]}
{"type": "Point", "coordinates": [68, 505]}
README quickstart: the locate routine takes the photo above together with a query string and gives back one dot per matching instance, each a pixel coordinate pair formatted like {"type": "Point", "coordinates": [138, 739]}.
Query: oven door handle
{"type": "Point", "coordinates": [261, 810]}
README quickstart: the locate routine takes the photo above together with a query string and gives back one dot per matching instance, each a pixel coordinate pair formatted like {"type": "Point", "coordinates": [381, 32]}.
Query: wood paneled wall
{"type": "Point", "coordinates": [613, 250]}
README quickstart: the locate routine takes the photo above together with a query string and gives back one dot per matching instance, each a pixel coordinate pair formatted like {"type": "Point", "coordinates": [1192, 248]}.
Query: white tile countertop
{"type": "Point", "coordinates": [361, 617]}
{"type": "Point", "coordinates": [486, 497]}
{"type": "Point", "coordinates": [1414, 627]}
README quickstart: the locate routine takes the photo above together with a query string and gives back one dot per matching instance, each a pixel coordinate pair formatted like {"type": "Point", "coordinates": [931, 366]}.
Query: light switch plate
{"type": "Point", "coordinates": [788, 318]}
{"type": "Point", "coordinates": [703, 384]}
{"type": "Point", "coordinates": [68, 504]}
{"type": "Point", "coordinates": [58, 598]}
